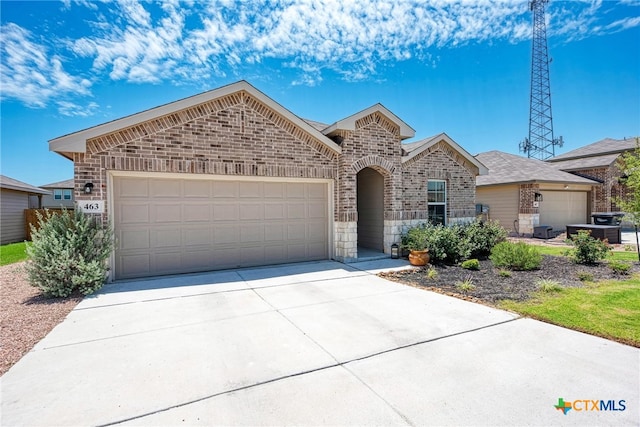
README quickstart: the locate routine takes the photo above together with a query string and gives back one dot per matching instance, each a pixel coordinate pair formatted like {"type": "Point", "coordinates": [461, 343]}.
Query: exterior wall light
{"type": "Point", "coordinates": [88, 187]}
{"type": "Point", "coordinates": [395, 251]}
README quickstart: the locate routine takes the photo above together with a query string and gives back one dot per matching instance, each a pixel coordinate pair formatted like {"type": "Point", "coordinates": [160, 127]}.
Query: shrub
{"type": "Point", "coordinates": [584, 276]}
{"type": "Point", "coordinates": [466, 285]}
{"type": "Point", "coordinates": [416, 238]}
{"type": "Point", "coordinates": [548, 285]}
{"type": "Point", "coordinates": [619, 267]}
{"type": "Point", "coordinates": [432, 273]}
{"type": "Point", "coordinates": [480, 237]}
{"type": "Point", "coordinates": [515, 256]}
{"type": "Point", "coordinates": [471, 264]}
{"type": "Point", "coordinates": [504, 273]}
{"type": "Point", "coordinates": [68, 252]}
{"type": "Point", "coordinates": [586, 249]}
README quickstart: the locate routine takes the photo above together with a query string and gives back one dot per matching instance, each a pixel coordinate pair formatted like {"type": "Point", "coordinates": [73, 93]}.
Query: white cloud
{"type": "Point", "coordinates": [192, 42]}
{"type": "Point", "coordinates": [30, 74]}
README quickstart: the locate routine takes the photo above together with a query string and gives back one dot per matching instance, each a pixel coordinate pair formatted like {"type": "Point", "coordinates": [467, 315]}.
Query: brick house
{"type": "Point", "coordinates": [230, 178]}
{"type": "Point", "coordinates": [522, 193]}
{"type": "Point", "coordinates": [598, 162]}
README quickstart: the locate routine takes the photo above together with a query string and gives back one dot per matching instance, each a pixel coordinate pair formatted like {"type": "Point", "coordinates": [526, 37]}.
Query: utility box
{"type": "Point", "coordinates": [543, 232]}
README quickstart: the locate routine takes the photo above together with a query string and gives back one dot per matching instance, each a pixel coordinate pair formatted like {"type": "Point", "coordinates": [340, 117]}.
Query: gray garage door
{"type": "Point", "coordinates": [169, 226]}
{"type": "Point", "coordinates": [559, 208]}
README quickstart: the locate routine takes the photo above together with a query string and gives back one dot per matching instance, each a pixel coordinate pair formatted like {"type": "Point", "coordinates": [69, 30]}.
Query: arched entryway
{"type": "Point", "coordinates": [370, 202]}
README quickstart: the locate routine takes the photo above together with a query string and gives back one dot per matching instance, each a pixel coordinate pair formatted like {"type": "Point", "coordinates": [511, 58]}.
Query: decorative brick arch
{"type": "Point", "coordinates": [380, 164]}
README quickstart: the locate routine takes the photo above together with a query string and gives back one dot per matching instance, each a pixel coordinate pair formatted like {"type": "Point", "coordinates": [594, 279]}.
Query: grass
{"type": "Point", "coordinates": [13, 252]}
{"type": "Point", "coordinates": [613, 255]}
{"type": "Point", "coordinates": [610, 309]}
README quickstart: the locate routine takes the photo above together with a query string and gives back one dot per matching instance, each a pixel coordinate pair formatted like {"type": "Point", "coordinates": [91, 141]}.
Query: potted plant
{"type": "Point", "coordinates": [416, 241]}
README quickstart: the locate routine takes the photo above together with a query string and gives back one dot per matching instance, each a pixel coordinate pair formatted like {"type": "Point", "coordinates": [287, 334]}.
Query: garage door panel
{"type": "Point", "coordinates": [296, 211]}
{"type": "Point", "coordinates": [166, 238]}
{"type": "Point", "coordinates": [132, 188]}
{"type": "Point", "coordinates": [198, 236]}
{"type": "Point", "coordinates": [133, 214]}
{"type": "Point", "coordinates": [252, 211]}
{"type": "Point", "coordinates": [274, 190]}
{"type": "Point", "coordinates": [252, 255]}
{"type": "Point", "coordinates": [250, 190]}
{"type": "Point", "coordinates": [252, 233]}
{"type": "Point", "coordinates": [226, 234]}
{"type": "Point", "coordinates": [225, 189]}
{"type": "Point", "coordinates": [166, 212]}
{"type": "Point", "coordinates": [165, 188]}
{"type": "Point", "coordinates": [274, 211]}
{"type": "Point", "coordinates": [275, 232]}
{"type": "Point", "coordinates": [197, 189]}
{"type": "Point", "coordinates": [134, 239]}
{"type": "Point", "coordinates": [196, 212]}
{"type": "Point", "coordinates": [134, 265]}
{"type": "Point", "coordinates": [226, 211]}
{"type": "Point", "coordinates": [169, 226]}
{"type": "Point", "coordinates": [295, 191]}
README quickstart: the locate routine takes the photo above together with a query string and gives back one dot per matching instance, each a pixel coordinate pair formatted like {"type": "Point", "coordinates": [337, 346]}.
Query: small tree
{"type": "Point", "coordinates": [629, 164]}
{"type": "Point", "coordinates": [68, 252]}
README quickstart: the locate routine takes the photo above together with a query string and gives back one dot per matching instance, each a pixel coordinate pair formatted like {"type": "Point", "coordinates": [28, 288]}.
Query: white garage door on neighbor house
{"type": "Point", "coordinates": [181, 225]}
{"type": "Point", "coordinates": [559, 208]}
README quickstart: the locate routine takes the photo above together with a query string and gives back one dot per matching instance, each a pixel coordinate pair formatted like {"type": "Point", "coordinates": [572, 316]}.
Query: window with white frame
{"type": "Point", "coordinates": [437, 201]}
{"type": "Point", "coordinates": [66, 194]}
{"type": "Point", "coordinates": [57, 194]}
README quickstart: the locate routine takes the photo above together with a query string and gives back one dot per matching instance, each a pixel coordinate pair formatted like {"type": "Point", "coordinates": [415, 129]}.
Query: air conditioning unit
{"type": "Point", "coordinates": [543, 232]}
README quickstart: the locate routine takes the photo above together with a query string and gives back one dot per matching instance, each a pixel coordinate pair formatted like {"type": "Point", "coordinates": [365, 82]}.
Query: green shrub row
{"type": "Point", "coordinates": [451, 244]}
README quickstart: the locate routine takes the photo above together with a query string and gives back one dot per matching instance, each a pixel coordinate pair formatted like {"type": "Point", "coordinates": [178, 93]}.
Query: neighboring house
{"type": "Point", "coordinates": [598, 161]}
{"type": "Point", "coordinates": [230, 178]}
{"type": "Point", "coordinates": [61, 194]}
{"type": "Point", "coordinates": [14, 199]}
{"type": "Point", "coordinates": [522, 193]}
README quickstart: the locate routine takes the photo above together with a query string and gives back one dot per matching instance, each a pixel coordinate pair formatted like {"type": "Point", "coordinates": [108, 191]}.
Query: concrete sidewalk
{"type": "Point", "coordinates": [310, 344]}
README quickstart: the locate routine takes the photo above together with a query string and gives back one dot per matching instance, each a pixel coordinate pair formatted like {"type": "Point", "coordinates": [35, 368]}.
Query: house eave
{"type": "Point", "coordinates": [77, 142]}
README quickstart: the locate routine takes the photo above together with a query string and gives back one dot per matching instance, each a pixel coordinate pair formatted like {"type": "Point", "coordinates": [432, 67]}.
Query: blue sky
{"type": "Point", "coordinates": [460, 67]}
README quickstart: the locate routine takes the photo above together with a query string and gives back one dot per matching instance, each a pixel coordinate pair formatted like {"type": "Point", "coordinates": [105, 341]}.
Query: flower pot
{"type": "Point", "coordinates": [419, 258]}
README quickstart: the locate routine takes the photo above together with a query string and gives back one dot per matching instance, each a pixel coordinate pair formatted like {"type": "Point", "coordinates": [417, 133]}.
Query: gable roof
{"type": "Point", "coordinates": [505, 168]}
{"type": "Point", "coordinates": [68, 183]}
{"type": "Point", "coordinates": [599, 148]}
{"type": "Point", "coordinates": [349, 123]}
{"type": "Point", "coordinates": [14, 184]}
{"type": "Point", "coordinates": [77, 142]}
{"type": "Point", "coordinates": [413, 149]}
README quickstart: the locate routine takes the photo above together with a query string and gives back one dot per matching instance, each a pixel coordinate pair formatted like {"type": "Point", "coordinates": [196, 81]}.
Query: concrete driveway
{"type": "Point", "coordinates": [311, 344]}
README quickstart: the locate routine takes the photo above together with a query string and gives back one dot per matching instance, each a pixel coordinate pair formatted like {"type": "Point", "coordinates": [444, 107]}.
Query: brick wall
{"type": "Point", "coordinates": [245, 138]}
{"type": "Point", "coordinates": [438, 163]}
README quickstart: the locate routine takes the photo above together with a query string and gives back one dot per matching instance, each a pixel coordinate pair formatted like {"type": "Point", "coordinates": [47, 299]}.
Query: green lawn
{"type": "Point", "coordinates": [560, 251]}
{"type": "Point", "coordinates": [14, 252]}
{"type": "Point", "coordinates": [608, 309]}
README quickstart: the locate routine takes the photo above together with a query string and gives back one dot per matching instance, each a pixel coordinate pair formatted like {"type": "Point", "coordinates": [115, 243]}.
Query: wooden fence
{"type": "Point", "coordinates": [31, 218]}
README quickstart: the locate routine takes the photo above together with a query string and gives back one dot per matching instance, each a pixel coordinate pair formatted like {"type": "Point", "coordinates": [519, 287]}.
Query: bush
{"type": "Point", "coordinates": [466, 285]}
{"type": "Point", "coordinates": [586, 249]}
{"type": "Point", "coordinates": [549, 285]}
{"type": "Point", "coordinates": [68, 253]}
{"type": "Point", "coordinates": [471, 264]}
{"type": "Point", "coordinates": [515, 256]}
{"type": "Point", "coordinates": [450, 244]}
{"type": "Point", "coordinates": [480, 237]}
{"type": "Point", "coordinates": [619, 267]}
{"type": "Point", "coordinates": [584, 276]}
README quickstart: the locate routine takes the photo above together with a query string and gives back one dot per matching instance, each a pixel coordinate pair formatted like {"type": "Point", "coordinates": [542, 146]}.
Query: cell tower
{"type": "Point", "coordinates": [540, 144]}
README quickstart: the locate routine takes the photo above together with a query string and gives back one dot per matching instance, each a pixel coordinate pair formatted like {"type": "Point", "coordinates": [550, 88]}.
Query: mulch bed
{"type": "Point", "coordinates": [490, 287]}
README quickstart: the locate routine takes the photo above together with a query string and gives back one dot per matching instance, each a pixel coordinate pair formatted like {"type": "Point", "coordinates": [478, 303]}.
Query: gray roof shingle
{"type": "Point", "coordinates": [14, 184]}
{"type": "Point", "coordinates": [602, 147]}
{"type": "Point", "coordinates": [505, 168]}
{"type": "Point", "coordinates": [68, 183]}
